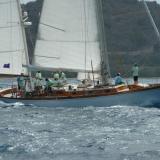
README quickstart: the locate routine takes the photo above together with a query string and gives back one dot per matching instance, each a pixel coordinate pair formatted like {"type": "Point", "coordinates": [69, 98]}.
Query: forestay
{"type": "Point", "coordinates": [12, 50]}
{"type": "Point", "coordinates": [68, 36]}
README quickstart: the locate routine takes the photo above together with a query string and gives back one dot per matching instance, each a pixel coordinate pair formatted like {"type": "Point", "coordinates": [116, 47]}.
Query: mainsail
{"type": "Point", "coordinates": [68, 36]}
{"type": "Point", "coordinates": [12, 47]}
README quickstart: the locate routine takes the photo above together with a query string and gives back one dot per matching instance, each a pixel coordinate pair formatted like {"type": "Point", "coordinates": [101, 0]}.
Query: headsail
{"type": "Point", "coordinates": [68, 36]}
{"type": "Point", "coordinates": [12, 49]}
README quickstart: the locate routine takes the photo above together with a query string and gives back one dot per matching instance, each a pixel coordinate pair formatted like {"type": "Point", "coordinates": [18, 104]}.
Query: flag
{"type": "Point", "coordinates": [6, 65]}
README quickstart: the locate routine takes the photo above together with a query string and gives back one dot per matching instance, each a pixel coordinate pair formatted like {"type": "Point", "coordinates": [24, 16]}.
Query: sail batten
{"type": "Point", "coordinates": [1, 52]}
{"type": "Point", "coordinates": [69, 34]}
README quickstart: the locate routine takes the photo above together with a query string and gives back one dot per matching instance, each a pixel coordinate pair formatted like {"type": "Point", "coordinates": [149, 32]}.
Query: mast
{"type": "Point", "coordinates": [23, 35]}
{"type": "Point", "coordinates": [85, 37]}
{"type": "Point", "coordinates": [105, 69]}
{"type": "Point", "coordinates": [151, 20]}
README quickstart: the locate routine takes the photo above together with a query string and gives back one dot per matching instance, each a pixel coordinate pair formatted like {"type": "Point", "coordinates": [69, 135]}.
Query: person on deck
{"type": "Point", "coordinates": [56, 76]}
{"type": "Point", "coordinates": [38, 82]}
{"type": "Point", "coordinates": [118, 79]}
{"type": "Point", "coordinates": [135, 73]}
{"type": "Point", "coordinates": [29, 88]}
{"type": "Point", "coordinates": [21, 82]}
{"type": "Point", "coordinates": [48, 86]}
{"type": "Point", "coordinates": [62, 76]}
{"type": "Point", "coordinates": [39, 75]}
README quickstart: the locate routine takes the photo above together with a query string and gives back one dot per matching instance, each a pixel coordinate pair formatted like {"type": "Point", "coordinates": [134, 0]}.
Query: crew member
{"type": "Point", "coordinates": [21, 82]}
{"type": "Point", "coordinates": [118, 79]}
{"type": "Point", "coordinates": [56, 76]}
{"type": "Point", "coordinates": [38, 82]}
{"type": "Point", "coordinates": [135, 73]}
{"type": "Point", "coordinates": [62, 76]}
{"type": "Point", "coordinates": [48, 86]}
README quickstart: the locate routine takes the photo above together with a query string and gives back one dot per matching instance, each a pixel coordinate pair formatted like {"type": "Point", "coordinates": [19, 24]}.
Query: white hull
{"type": "Point", "coordinates": [149, 97]}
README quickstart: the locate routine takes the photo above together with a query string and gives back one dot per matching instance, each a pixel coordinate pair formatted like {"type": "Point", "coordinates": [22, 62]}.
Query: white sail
{"type": "Point", "coordinates": [12, 49]}
{"type": "Point", "coordinates": [68, 36]}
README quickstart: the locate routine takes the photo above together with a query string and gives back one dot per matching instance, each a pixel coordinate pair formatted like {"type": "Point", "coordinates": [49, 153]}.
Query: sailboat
{"type": "Point", "coordinates": [70, 38]}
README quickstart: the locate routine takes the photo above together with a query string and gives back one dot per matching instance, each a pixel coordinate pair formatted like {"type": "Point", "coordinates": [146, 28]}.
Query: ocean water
{"type": "Point", "coordinates": [90, 133]}
{"type": "Point", "coordinates": [86, 133]}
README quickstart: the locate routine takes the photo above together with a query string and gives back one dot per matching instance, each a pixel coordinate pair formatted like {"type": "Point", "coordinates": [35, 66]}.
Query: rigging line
{"type": "Point", "coordinates": [53, 27]}
{"type": "Point", "coordinates": [151, 19]}
{"type": "Point", "coordinates": [47, 56]}
{"type": "Point", "coordinates": [88, 14]}
{"type": "Point", "coordinates": [10, 51]}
